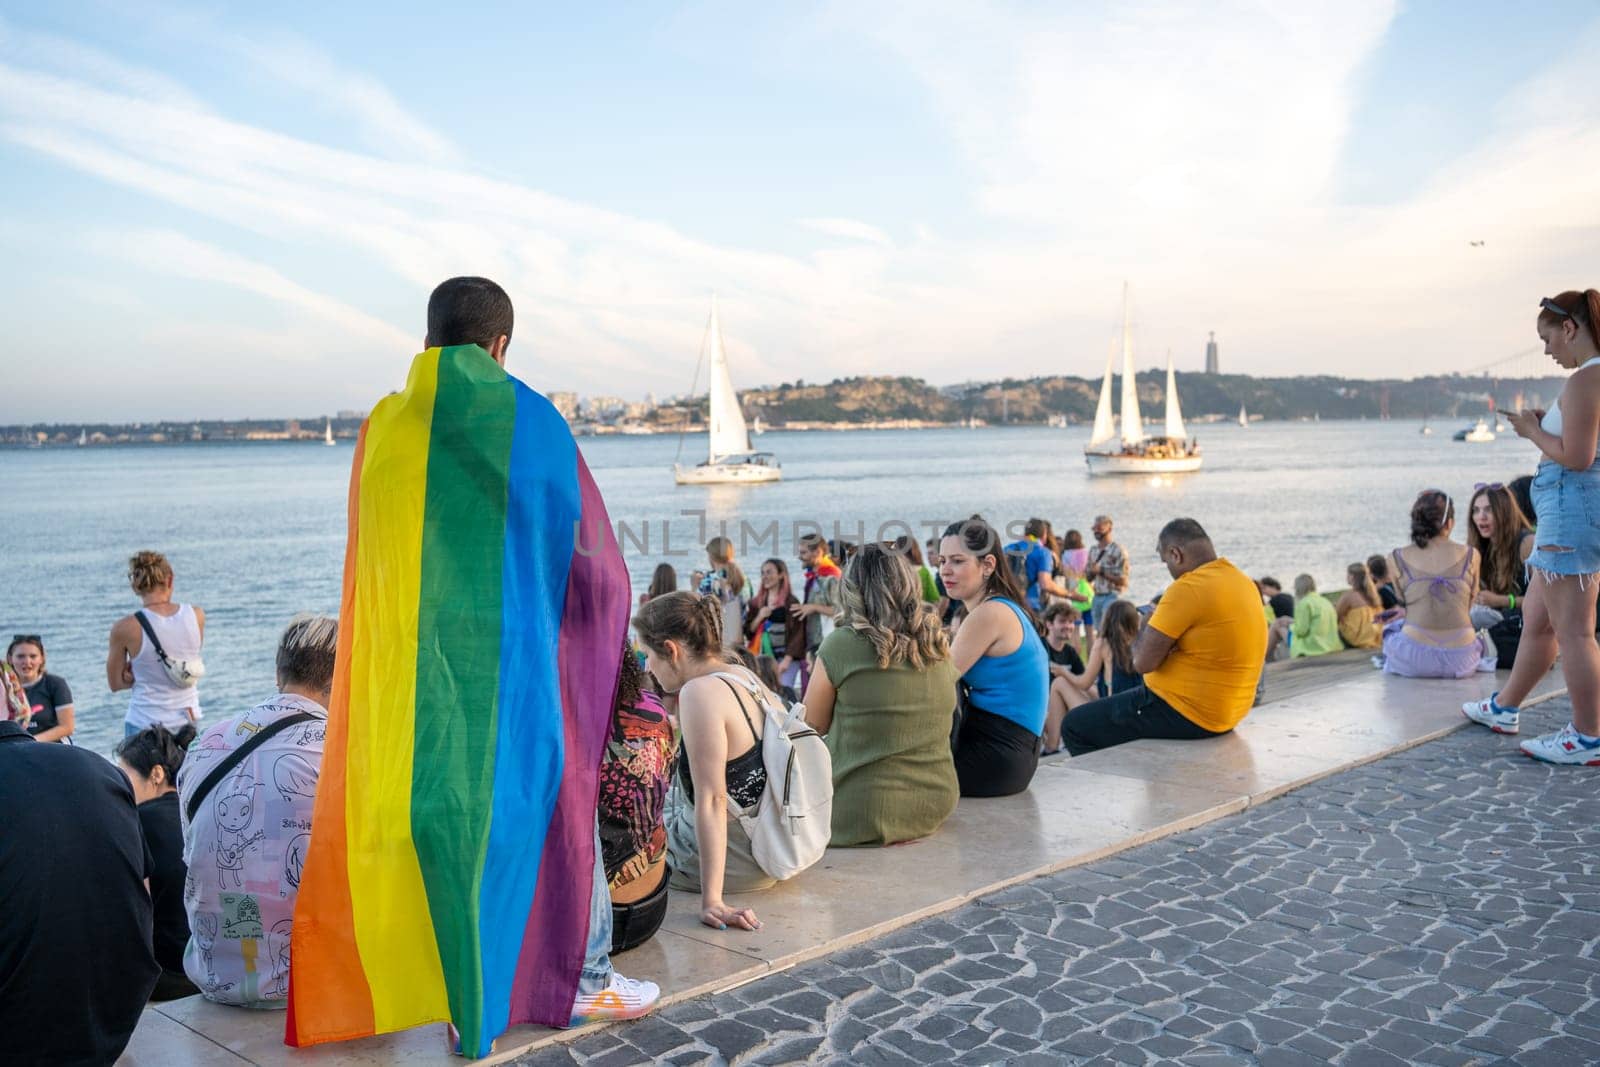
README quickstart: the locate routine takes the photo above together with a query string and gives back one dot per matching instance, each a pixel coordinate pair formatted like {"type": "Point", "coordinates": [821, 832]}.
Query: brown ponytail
{"type": "Point", "coordinates": [694, 622]}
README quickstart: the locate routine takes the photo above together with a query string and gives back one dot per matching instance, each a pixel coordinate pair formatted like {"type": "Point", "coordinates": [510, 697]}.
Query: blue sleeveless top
{"type": "Point", "coordinates": [1015, 687]}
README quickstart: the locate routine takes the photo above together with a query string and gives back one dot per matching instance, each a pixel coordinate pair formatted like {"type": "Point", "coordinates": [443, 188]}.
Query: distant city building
{"type": "Point", "coordinates": [1211, 355]}
{"type": "Point", "coordinates": [566, 403]}
{"type": "Point", "coordinates": [351, 416]}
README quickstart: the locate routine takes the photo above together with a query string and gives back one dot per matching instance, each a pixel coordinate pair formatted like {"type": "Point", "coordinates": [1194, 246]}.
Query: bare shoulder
{"type": "Point", "coordinates": [1585, 382]}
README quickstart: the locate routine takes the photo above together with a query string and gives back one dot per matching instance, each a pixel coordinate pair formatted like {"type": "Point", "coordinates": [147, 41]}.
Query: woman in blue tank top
{"type": "Point", "coordinates": [1005, 668]}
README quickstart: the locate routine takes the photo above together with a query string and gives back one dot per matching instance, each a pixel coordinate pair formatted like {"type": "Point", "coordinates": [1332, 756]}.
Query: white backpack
{"type": "Point", "coordinates": [790, 825]}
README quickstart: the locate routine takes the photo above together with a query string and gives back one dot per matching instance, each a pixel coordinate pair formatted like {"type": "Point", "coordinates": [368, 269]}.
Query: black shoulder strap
{"type": "Point", "coordinates": [149, 631]}
{"type": "Point", "coordinates": [234, 758]}
{"type": "Point", "coordinates": [740, 701]}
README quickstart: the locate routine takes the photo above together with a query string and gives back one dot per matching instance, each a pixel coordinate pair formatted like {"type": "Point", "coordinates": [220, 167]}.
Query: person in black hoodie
{"type": "Point", "coordinates": [150, 759]}
{"type": "Point", "coordinates": [76, 966]}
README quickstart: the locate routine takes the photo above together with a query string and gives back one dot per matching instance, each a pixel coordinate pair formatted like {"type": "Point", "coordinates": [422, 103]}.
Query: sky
{"type": "Point", "coordinates": [223, 211]}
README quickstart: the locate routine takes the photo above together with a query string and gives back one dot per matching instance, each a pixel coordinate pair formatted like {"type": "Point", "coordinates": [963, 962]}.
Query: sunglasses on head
{"type": "Point", "coordinates": [27, 639]}
{"type": "Point", "coordinates": [1554, 308]}
{"type": "Point", "coordinates": [1488, 485]}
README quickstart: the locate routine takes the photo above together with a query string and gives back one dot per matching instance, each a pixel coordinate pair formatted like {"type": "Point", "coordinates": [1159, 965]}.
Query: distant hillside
{"type": "Point", "coordinates": [1037, 400]}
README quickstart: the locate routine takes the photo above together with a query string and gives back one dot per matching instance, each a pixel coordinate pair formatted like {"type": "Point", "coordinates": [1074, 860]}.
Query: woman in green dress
{"type": "Point", "coordinates": [884, 694]}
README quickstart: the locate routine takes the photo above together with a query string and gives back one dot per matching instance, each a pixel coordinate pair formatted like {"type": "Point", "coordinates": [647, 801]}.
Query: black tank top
{"type": "Point", "coordinates": [747, 775]}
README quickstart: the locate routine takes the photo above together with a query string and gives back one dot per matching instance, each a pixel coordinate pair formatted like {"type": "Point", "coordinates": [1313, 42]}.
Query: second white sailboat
{"type": "Point", "coordinates": [1171, 452]}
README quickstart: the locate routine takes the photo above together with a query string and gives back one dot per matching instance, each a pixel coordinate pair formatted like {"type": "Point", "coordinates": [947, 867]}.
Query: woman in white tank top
{"type": "Point", "coordinates": [132, 662]}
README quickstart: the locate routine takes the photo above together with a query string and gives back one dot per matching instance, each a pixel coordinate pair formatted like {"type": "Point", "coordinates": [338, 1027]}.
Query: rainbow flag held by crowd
{"type": "Point", "coordinates": [484, 610]}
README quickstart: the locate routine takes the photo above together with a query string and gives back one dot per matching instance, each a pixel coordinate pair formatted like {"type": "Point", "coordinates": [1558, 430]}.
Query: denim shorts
{"type": "Point", "coordinates": [1567, 507]}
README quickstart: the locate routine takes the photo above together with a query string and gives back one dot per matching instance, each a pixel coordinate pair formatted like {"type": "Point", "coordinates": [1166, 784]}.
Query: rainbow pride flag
{"type": "Point", "coordinates": [482, 623]}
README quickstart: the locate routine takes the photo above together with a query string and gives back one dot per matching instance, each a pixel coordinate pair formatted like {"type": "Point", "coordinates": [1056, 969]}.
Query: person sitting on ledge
{"type": "Point", "coordinates": [76, 957]}
{"type": "Point", "coordinates": [1438, 580]}
{"type": "Point", "coordinates": [1358, 609]}
{"type": "Point", "coordinates": [635, 773]}
{"type": "Point", "coordinates": [245, 834]}
{"type": "Point", "coordinates": [1004, 667]}
{"type": "Point", "coordinates": [151, 760]}
{"type": "Point", "coordinates": [1316, 624]}
{"type": "Point", "coordinates": [882, 694]}
{"type": "Point", "coordinates": [1201, 654]}
{"type": "Point", "coordinates": [720, 759]}
{"type": "Point", "coordinates": [1109, 671]}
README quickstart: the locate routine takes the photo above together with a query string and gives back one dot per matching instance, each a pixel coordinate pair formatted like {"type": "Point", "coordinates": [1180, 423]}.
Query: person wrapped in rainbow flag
{"type": "Point", "coordinates": [453, 869]}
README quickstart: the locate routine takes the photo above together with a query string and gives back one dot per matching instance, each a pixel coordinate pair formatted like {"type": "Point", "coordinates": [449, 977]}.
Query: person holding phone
{"type": "Point", "coordinates": [1559, 612]}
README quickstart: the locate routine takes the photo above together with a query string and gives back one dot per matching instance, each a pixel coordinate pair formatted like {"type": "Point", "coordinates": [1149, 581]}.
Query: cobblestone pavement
{"type": "Point", "coordinates": [1440, 906]}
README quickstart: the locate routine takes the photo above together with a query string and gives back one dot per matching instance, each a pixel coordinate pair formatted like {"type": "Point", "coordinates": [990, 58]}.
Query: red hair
{"type": "Point", "coordinates": [1583, 308]}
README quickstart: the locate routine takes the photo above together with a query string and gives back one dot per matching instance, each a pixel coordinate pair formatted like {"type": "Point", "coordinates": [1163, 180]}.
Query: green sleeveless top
{"type": "Point", "coordinates": [893, 775]}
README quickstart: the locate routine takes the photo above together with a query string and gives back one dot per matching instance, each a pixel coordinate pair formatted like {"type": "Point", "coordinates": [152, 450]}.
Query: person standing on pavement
{"type": "Point", "coordinates": [1107, 570]}
{"type": "Point", "coordinates": [1559, 613]}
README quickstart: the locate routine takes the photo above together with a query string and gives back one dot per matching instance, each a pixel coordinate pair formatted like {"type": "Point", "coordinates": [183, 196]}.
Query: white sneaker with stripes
{"type": "Point", "coordinates": [624, 998]}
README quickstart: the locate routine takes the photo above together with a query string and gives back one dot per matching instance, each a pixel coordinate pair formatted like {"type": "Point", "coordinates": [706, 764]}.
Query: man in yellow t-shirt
{"type": "Point", "coordinates": [1201, 654]}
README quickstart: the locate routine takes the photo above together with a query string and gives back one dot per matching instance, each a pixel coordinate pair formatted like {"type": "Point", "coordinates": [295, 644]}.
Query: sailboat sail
{"type": "Point", "coordinates": [729, 435]}
{"type": "Point", "coordinates": [1132, 421]}
{"type": "Point", "coordinates": [1244, 420]}
{"type": "Point", "coordinates": [1104, 427]}
{"type": "Point", "coordinates": [1175, 428]}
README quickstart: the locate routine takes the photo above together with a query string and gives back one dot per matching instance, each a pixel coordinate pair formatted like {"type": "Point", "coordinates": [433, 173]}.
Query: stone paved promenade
{"type": "Point", "coordinates": [1440, 906]}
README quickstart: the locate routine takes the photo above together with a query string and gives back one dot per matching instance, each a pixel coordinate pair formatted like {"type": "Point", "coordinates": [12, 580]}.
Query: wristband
{"type": "Point", "coordinates": [1511, 599]}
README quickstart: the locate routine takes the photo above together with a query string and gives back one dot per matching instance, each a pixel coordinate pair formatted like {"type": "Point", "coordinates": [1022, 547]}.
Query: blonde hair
{"type": "Point", "coordinates": [882, 601]}
{"type": "Point", "coordinates": [693, 621]}
{"type": "Point", "coordinates": [149, 571]}
{"type": "Point", "coordinates": [306, 651]}
{"type": "Point", "coordinates": [720, 551]}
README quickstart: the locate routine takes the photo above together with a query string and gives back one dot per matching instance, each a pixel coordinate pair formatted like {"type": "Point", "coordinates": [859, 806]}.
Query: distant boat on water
{"type": "Point", "coordinates": [1479, 433]}
{"type": "Point", "coordinates": [1244, 420]}
{"type": "Point", "coordinates": [83, 437]}
{"type": "Point", "coordinates": [1131, 451]}
{"type": "Point", "coordinates": [327, 433]}
{"type": "Point", "coordinates": [729, 459]}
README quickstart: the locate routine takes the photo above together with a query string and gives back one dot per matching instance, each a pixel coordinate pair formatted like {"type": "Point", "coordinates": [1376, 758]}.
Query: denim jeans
{"type": "Point", "coordinates": [597, 952]}
{"type": "Point", "coordinates": [1100, 605]}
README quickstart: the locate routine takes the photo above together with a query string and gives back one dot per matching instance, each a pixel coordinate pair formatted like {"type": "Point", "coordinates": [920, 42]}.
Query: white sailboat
{"type": "Point", "coordinates": [1244, 420]}
{"type": "Point", "coordinates": [327, 432]}
{"type": "Point", "coordinates": [83, 437]}
{"type": "Point", "coordinates": [729, 457]}
{"type": "Point", "coordinates": [1172, 452]}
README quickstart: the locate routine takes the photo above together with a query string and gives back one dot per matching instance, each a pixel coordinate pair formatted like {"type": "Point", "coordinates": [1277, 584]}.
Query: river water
{"type": "Point", "coordinates": [255, 531]}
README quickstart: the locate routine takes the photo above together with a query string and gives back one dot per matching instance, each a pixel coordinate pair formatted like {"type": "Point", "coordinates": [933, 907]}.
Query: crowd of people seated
{"type": "Point", "coordinates": [929, 677]}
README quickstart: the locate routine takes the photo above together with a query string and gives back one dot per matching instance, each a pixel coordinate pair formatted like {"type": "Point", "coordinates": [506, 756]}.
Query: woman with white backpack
{"type": "Point", "coordinates": [728, 829]}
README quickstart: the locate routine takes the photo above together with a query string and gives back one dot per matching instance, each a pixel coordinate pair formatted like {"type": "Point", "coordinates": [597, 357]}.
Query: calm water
{"type": "Point", "coordinates": [256, 531]}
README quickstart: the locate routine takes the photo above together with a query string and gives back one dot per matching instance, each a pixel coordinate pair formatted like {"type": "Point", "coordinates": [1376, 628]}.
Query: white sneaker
{"type": "Point", "coordinates": [1564, 747]}
{"type": "Point", "coordinates": [1487, 713]}
{"type": "Point", "coordinates": [624, 998]}
{"type": "Point", "coordinates": [1489, 658]}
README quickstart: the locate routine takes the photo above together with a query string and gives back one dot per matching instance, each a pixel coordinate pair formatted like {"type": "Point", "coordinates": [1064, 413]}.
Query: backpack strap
{"type": "Point", "coordinates": [149, 631]}
{"type": "Point", "coordinates": [743, 713]}
{"type": "Point", "coordinates": [234, 758]}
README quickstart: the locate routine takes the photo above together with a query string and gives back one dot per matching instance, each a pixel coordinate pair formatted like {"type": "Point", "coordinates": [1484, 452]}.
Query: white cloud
{"type": "Point", "coordinates": [849, 229]}
{"type": "Point", "coordinates": [383, 121]}
{"type": "Point", "coordinates": [168, 252]}
{"type": "Point", "coordinates": [1192, 151]}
